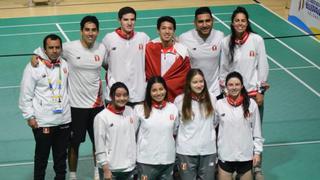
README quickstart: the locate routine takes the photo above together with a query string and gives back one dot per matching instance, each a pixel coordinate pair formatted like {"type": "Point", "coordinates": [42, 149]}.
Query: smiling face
{"type": "Point", "coordinates": [197, 84]}
{"type": "Point", "coordinates": [234, 87]}
{"type": "Point", "coordinates": [89, 34]}
{"type": "Point", "coordinates": [127, 22]}
{"type": "Point", "coordinates": [158, 92]}
{"type": "Point", "coordinates": [166, 32]}
{"type": "Point", "coordinates": [120, 98]}
{"type": "Point", "coordinates": [203, 24]}
{"type": "Point", "coordinates": [240, 23]}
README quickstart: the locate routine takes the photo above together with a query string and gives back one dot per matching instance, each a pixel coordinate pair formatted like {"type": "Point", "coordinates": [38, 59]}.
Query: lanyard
{"type": "Point", "coordinates": [58, 84]}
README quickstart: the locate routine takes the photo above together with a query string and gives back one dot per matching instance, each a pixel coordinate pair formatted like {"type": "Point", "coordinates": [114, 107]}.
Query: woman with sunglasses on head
{"type": "Point", "coordinates": [239, 138]}
{"type": "Point", "coordinates": [196, 138]}
{"type": "Point", "coordinates": [156, 143]}
{"type": "Point", "coordinates": [114, 132]}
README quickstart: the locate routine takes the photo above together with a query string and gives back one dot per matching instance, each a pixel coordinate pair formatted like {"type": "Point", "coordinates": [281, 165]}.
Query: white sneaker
{"type": "Point", "coordinates": [96, 174]}
{"type": "Point", "coordinates": [72, 176]}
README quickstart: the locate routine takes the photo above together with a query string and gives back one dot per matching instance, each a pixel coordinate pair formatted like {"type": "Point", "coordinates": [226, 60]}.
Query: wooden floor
{"type": "Point", "coordinates": [21, 8]}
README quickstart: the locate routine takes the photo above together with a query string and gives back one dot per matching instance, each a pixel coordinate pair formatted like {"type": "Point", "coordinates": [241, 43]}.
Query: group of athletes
{"type": "Point", "coordinates": [175, 107]}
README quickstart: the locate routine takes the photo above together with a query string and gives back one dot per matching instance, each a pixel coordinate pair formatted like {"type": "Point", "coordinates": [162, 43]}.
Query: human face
{"type": "Point", "coordinates": [166, 32]}
{"type": "Point", "coordinates": [53, 49]}
{"type": "Point", "coordinates": [158, 92]}
{"type": "Point", "coordinates": [203, 24]}
{"type": "Point", "coordinates": [197, 84]}
{"type": "Point", "coordinates": [234, 87]}
{"type": "Point", "coordinates": [240, 23]}
{"type": "Point", "coordinates": [121, 97]}
{"type": "Point", "coordinates": [89, 34]}
{"type": "Point", "coordinates": [127, 23]}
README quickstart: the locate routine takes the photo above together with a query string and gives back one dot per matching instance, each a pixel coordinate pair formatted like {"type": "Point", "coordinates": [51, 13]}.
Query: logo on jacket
{"type": "Point", "coordinates": [113, 48]}
{"type": "Point", "coordinates": [171, 117]}
{"type": "Point", "coordinates": [65, 70]}
{"type": "Point", "coordinates": [140, 46]}
{"type": "Point", "coordinates": [96, 58]}
{"type": "Point", "coordinates": [252, 53]}
{"type": "Point", "coordinates": [214, 48]}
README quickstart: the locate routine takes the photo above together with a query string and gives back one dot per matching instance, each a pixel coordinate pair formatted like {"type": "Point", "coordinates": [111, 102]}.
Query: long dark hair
{"type": "Point", "coordinates": [232, 43]}
{"type": "Point", "coordinates": [244, 93]}
{"type": "Point", "coordinates": [148, 99]}
{"type": "Point", "coordinates": [187, 99]}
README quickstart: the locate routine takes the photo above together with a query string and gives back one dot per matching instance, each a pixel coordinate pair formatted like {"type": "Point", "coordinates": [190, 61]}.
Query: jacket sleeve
{"type": "Point", "coordinates": [224, 62]}
{"type": "Point", "coordinates": [256, 129]}
{"type": "Point", "coordinates": [27, 88]}
{"type": "Point", "coordinates": [100, 140]}
{"type": "Point", "coordinates": [263, 66]}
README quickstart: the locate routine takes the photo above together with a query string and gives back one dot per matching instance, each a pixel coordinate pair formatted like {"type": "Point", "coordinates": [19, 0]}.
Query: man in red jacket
{"type": "Point", "coordinates": [167, 58]}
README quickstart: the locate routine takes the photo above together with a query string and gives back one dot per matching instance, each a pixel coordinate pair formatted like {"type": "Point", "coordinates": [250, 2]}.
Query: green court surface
{"type": "Point", "coordinates": [291, 123]}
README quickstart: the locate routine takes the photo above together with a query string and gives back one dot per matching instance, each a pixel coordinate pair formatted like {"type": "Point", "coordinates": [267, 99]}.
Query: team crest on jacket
{"type": "Point", "coordinates": [65, 70]}
{"type": "Point", "coordinates": [214, 48]}
{"type": "Point", "coordinates": [140, 46]}
{"type": "Point", "coordinates": [171, 117]}
{"type": "Point", "coordinates": [96, 58]}
{"type": "Point", "coordinates": [131, 120]}
{"type": "Point", "coordinates": [144, 177]}
{"type": "Point", "coordinates": [183, 166]}
{"type": "Point", "coordinates": [252, 53]}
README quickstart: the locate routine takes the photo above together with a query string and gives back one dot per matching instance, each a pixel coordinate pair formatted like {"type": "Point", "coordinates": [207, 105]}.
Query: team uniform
{"type": "Point", "coordinates": [196, 142]}
{"type": "Point", "coordinates": [239, 138]}
{"type": "Point", "coordinates": [171, 63]}
{"type": "Point", "coordinates": [205, 55]}
{"type": "Point", "coordinates": [156, 144]}
{"type": "Point", "coordinates": [250, 60]}
{"type": "Point", "coordinates": [44, 96]}
{"type": "Point", "coordinates": [126, 62]}
{"type": "Point", "coordinates": [85, 87]}
{"type": "Point", "coordinates": [115, 141]}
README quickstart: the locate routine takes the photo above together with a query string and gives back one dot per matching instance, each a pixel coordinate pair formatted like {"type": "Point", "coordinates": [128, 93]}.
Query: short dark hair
{"type": "Point", "coordinates": [168, 19]}
{"type": "Point", "coordinates": [89, 18]}
{"type": "Point", "coordinates": [115, 86]}
{"type": "Point", "coordinates": [126, 10]}
{"type": "Point", "coordinates": [202, 10]}
{"type": "Point", "coordinates": [52, 37]}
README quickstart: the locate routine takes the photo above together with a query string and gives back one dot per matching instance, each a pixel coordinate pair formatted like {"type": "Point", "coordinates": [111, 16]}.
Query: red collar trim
{"type": "Point", "coordinates": [123, 34]}
{"type": "Point", "coordinates": [169, 49]}
{"type": "Point", "coordinates": [51, 64]}
{"type": "Point", "coordinates": [196, 97]}
{"type": "Point", "coordinates": [115, 110]}
{"type": "Point", "coordinates": [158, 105]}
{"type": "Point", "coordinates": [243, 38]}
{"type": "Point", "coordinates": [235, 102]}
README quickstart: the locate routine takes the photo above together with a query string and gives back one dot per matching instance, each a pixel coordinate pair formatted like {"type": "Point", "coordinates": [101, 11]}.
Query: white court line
{"type": "Point", "coordinates": [106, 20]}
{"type": "Point", "coordinates": [90, 158]}
{"type": "Point", "coordinates": [287, 46]}
{"type": "Point", "coordinates": [292, 68]}
{"type": "Point", "coordinates": [294, 76]}
{"type": "Point", "coordinates": [282, 67]}
{"type": "Point", "coordinates": [290, 23]}
{"type": "Point", "coordinates": [292, 144]}
{"type": "Point", "coordinates": [63, 33]}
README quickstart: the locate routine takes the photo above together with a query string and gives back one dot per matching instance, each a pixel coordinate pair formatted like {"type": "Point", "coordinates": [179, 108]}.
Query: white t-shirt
{"type": "Point", "coordinates": [85, 87]}
{"type": "Point", "coordinates": [126, 63]}
{"type": "Point", "coordinates": [205, 55]}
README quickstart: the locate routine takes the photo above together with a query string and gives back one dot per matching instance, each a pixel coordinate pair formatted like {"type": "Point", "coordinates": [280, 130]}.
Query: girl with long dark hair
{"type": "Point", "coordinates": [156, 143]}
{"type": "Point", "coordinates": [239, 138]}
